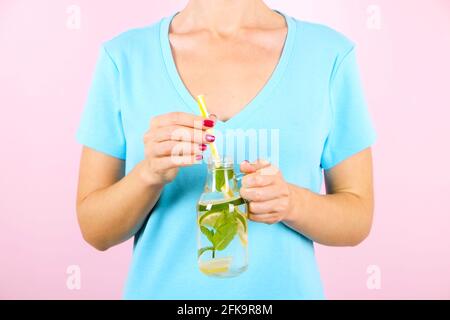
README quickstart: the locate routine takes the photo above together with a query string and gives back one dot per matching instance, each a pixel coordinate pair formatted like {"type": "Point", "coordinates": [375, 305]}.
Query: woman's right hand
{"type": "Point", "coordinates": [174, 140]}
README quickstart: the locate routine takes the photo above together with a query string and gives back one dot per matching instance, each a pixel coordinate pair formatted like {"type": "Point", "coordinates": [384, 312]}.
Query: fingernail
{"type": "Point", "coordinates": [213, 117]}
{"type": "Point", "coordinates": [198, 157]}
{"type": "Point", "coordinates": [210, 138]}
{"type": "Point", "coordinates": [246, 161]}
{"type": "Point", "coordinates": [203, 147]}
{"type": "Point", "coordinates": [208, 123]}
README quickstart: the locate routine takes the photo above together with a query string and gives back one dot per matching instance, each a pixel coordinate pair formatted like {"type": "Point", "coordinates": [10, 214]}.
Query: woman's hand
{"type": "Point", "coordinates": [174, 140]}
{"type": "Point", "coordinates": [266, 190]}
{"type": "Point", "coordinates": [342, 217]}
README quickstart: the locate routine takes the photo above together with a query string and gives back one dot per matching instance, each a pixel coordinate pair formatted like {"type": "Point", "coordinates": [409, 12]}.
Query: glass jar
{"type": "Point", "coordinates": [222, 222]}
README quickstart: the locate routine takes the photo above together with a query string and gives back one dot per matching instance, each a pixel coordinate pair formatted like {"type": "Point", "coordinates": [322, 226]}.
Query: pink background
{"type": "Point", "coordinates": [45, 72]}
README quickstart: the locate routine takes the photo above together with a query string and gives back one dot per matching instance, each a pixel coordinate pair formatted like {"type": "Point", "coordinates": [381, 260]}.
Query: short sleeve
{"type": "Point", "coordinates": [101, 122]}
{"type": "Point", "coordinates": [351, 127]}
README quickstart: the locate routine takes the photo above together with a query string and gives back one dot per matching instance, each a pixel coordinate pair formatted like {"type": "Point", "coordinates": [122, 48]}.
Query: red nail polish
{"type": "Point", "coordinates": [208, 123]}
{"type": "Point", "coordinates": [210, 138]}
{"type": "Point", "coordinates": [203, 147]}
{"type": "Point", "coordinates": [198, 157]}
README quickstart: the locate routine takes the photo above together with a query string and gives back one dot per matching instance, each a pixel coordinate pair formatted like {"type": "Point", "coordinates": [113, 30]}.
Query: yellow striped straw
{"type": "Point", "coordinates": [202, 106]}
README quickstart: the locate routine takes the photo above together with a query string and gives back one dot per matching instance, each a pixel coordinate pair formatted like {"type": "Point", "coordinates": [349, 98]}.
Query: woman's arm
{"type": "Point", "coordinates": [111, 207]}
{"type": "Point", "coordinates": [342, 217]}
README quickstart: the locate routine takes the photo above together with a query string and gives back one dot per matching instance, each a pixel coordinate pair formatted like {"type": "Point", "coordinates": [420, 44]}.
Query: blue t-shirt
{"type": "Point", "coordinates": [312, 114]}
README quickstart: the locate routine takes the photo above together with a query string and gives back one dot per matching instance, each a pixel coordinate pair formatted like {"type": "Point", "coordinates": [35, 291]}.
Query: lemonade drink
{"type": "Point", "coordinates": [222, 224]}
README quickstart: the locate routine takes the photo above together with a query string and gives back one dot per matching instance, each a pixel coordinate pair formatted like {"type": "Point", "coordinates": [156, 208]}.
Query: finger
{"type": "Point", "coordinates": [182, 119]}
{"type": "Point", "coordinates": [259, 194]}
{"type": "Point", "coordinates": [213, 117]}
{"type": "Point", "coordinates": [177, 148]}
{"type": "Point", "coordinates": [179, 133]}
{"type": "Point", "coordinates": [264, 207]}
{"type": "Point", "coordinates": [260, 164]}
{"type": "Point", "coordinates": [268, 171]}
{"type": "Point", "coordinates": [178, 161]}
{"type": "Point", "coordinates": [253, 180]}
{"type": "Point", "coordinates": [249, 167]}
{"type": "Point", "coordinates": [264, 218]}
{"type": "Point", "coordinates": [246, 167]}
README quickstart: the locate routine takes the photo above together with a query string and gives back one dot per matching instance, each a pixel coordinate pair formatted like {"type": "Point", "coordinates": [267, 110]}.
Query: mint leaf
{"type": "Point", "coordinates": [224, 235]}
{"type": "Point", "coordinates": [221, 175]}
{"type": "Point", "coordinates": [204, 249]}
{"type": "Point", "coordinates": [226, 229]}
{"type": "Point", "coordinates": [208, 233]}
{"type": "Point", "coordinates": [219, 179]}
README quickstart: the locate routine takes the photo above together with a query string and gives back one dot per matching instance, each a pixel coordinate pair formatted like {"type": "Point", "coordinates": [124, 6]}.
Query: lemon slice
{"type": "Point", "coordinates": [215, 266]}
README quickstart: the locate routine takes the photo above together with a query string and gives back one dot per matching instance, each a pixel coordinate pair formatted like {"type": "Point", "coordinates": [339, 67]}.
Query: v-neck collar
{"type": "Point", "coordinates": [262, 95]}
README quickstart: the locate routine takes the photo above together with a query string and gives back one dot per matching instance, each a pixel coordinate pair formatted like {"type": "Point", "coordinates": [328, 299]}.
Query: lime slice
{"type": "Point", "coordinates": [241, 218]}
{"type": "Point", "coordinates": [209, 218]}
{"type": "Point", "coordinates": [215, 266]}
{"type": "Point", "coordinates": [220, 205]}
{"type": "Point", "coordinates": [242, 229]}
{"type": "Point", "coordinates": [228, 193]}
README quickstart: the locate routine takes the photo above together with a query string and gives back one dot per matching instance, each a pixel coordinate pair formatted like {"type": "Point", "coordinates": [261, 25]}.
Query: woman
{"type": "Point", "coordinates": [259, 69]}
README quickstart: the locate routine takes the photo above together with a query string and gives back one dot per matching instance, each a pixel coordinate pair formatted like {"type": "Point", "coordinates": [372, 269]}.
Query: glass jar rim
{"type": "Point", "coordinates": [221, 162]}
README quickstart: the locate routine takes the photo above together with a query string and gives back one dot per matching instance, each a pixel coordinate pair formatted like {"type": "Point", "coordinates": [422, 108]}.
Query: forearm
{"type": "Point", "coordinates": [113, 214]}
{"type": "Point", "coordinates": [340, 219]}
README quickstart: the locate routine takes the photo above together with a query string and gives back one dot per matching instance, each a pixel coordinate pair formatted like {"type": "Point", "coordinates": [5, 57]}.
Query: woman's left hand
{"type": "Point", "coordinates": [267, 191]}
